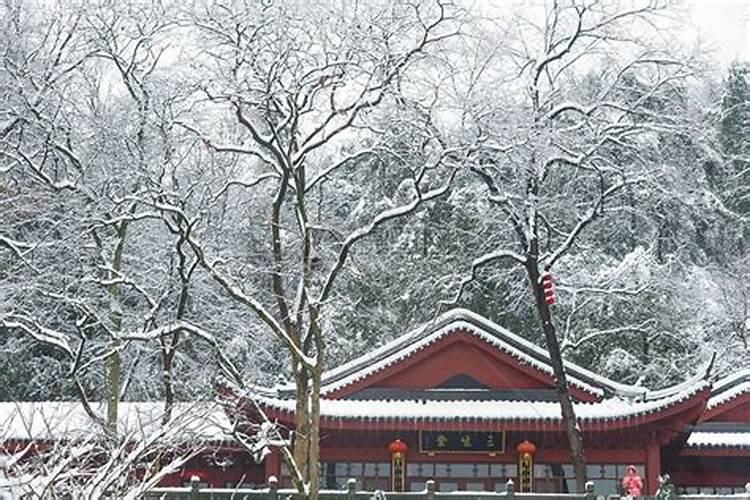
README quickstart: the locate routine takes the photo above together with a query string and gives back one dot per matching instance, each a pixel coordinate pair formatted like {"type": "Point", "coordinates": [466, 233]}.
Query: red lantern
{"type": "Point", "coordinates": [397, 447]}
{"type": "Point", "coordinates": [398, 464]}
{"type": "Point", "coordinates": [549, 289]}
{"type": "Point", "coordinates": [526, 452]}
{"type": "Point", "coordinates": [526, 447]}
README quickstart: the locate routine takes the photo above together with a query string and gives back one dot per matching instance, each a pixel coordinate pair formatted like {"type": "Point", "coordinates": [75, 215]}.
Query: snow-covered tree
{"type": "Point", "coordinates": [184, 190]}
{"type": "Point", "coordinates": [305, 94]}
{"type": "Point", "coordinates": [734, 137]}
{"type": "Point", "coordinates": [592, 103]}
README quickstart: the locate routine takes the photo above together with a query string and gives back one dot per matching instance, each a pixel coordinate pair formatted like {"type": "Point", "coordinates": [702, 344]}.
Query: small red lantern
{"type": "Point", "coordinates": [549, 289]}
{"type": "Point", "coordinates": [526, 452]}
{"type": "Point", "coordinates": [397, 447]}
{"type": "Point", "coordinates": [526, 447]}
{"type": "Point", "coordinates": [398, 464]}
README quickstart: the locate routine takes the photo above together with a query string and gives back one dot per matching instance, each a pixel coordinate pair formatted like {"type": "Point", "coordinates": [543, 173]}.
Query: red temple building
{"type": "Point", "coordinates": [471, 405]}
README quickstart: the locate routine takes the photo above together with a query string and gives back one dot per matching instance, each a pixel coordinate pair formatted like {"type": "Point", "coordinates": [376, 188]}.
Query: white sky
{"type": "Point", "coordinates": [722, 26]}
{"type": "Point", "coordinates": [725, 26]}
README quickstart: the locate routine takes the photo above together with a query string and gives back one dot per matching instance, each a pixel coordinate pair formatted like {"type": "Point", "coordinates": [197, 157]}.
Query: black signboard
{"type": "Point", "coordinates": [461, 442]}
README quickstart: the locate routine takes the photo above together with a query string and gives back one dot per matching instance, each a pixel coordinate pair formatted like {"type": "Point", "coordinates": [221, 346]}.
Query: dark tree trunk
{"type": "Point", "coordinates": [572, 430]}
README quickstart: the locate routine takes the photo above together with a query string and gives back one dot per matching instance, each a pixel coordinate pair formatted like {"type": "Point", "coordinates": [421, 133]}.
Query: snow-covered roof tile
{"type": "Point", "coordinates": [437, 410]}
{"type": "Point", "coordinates": [423, 342]}
{"type": "Point", "coordinates": [728, 395]}
{"type": "Point", "coordinates": [50, 421]}
{"type": "Point", "coordinates": [729, 388]}
{"type": "Point", "coordinates": [719, 440]}
{"type": "Point", "coordinates": [730, 380]}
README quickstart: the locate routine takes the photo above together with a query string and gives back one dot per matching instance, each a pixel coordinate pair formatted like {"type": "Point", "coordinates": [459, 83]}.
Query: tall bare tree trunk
{"type": "Point", "coordinates": [114, 360]}
{"type": "Point", "coordinates": [301, 423]}
{"type": "Point", "coordinates": [114, 374]}
{"type": "Point", "coordinates": [169, 345]}
{"type": "Point", "coordinates": [572, 430]}
{"type": "Point", "coordinates": [314, 464]}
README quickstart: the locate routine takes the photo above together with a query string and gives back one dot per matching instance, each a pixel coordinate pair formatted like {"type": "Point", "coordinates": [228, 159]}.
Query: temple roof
{"type": "Point", "coordinates": [52, 421]}
{"type": "Point", "coordinates": [464, 321]}
{"type": "Point", "coordinates": [474, 402]}
{"type": "Point", "coordinates": [729, 388]}
{"type": "Point", "coordinates": [713, 435]}
{"type": "Point", "coordinates": [732, 440]}
{"type": "Point", "coordinates": [490, 411]}
{"type": "Point", "coordinates": [727, 393]}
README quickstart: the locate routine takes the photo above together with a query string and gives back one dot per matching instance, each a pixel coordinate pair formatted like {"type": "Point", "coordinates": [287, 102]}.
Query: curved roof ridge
{"type": "Point", "coordinates": [700, 377]}
{"type": "Point", "coordinates": [612, 386]}
{"type": "Point", "coordinates": [730, 381]}
{"type": "Point", "coordinates": [591, 381]}
{"type": "Point", "coordinates": [729, 388]}
{"type": "Point", "coordinates": [459, 318]}
{"type": "Point", "coordinates": [452, 320]}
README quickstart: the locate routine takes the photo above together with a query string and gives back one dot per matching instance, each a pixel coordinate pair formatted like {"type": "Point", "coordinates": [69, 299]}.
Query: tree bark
{"type": "Point", "coordinates": [301, 420]}
{"type": "Point", "coordinates": [169, 346]}
{"type": "Point", "coordinates": [114, 360]}
{"type": "Point", "coordinates": [314, 464]}
{"type": "Point", "coordinates": [572, 430]}
{"type": "Point", "coordinates": [114, 372]}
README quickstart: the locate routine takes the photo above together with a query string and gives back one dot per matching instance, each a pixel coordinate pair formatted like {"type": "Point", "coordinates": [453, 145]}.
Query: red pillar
{"type": "Point", "coordinates": [273, 464]}
{"type": "Point", "coordinates": [653, 466]}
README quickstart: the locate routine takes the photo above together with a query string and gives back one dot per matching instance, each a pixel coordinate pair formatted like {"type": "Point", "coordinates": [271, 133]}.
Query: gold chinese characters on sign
{"type": "Point", "coordinates": [461, 442]}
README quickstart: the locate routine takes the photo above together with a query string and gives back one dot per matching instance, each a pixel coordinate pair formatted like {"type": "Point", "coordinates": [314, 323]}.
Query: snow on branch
{"type": "Point", "coordinates": [184, 326]}
{"type": "Point", "coordinates": [63, 185]}
{"type": "Point", "coordinates": [129, 217]}
{"type": "Point", "coordinates": [245, 184]}
{"type": "Point", "coordinates": [606, 291]}
{"type": "Point", "coordinates": [38, 332]}
{"type": "Point", "coordinates": [373, 92]}
{"type": "Point", "coordinates": [552, 56]}
{"type": "Point", "coordinates": [79, 463]}
{"type": "Point", "coordinates": [381, 218]}
{"type": "Point", "coordinates": [569, 107]}
{"type": "Point", "coordinates": [586, 220]}
{"type": "Point", "coordinates": [20, 249]}
{"type": "Point", "coordinates": [225, 148]}
{"type": "Point", "coordinates": [267, 435]}
{"type": "Point", "coordinates": [568, 344]}
{"type": "Point", "coordinates": [328, 171]}
{"type": "Point", "coordinates": [185, 229]}
{"type": "Point", "coordinates": [480, 262]}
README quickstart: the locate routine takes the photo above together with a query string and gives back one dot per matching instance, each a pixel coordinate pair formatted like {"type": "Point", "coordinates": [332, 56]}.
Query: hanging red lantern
{"type": "Point", "coordinates": [397, 446]}
{"type": "Point", "coordinates": [398, 464]}
{"type": "Point", "coordinates": [549, 288]}
{"type": "Point", "coordinates": [526, 452]}
{"type": "Point", "coordinates": [526, 447]}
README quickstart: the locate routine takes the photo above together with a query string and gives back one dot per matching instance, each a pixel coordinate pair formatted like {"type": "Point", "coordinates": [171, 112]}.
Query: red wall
{"type": "Point", "coordinates": [740, 413]}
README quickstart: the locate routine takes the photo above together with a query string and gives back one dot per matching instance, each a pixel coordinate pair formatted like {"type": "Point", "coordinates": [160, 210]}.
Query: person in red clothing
{"type": "Point", "coordinates": [632, 484]}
